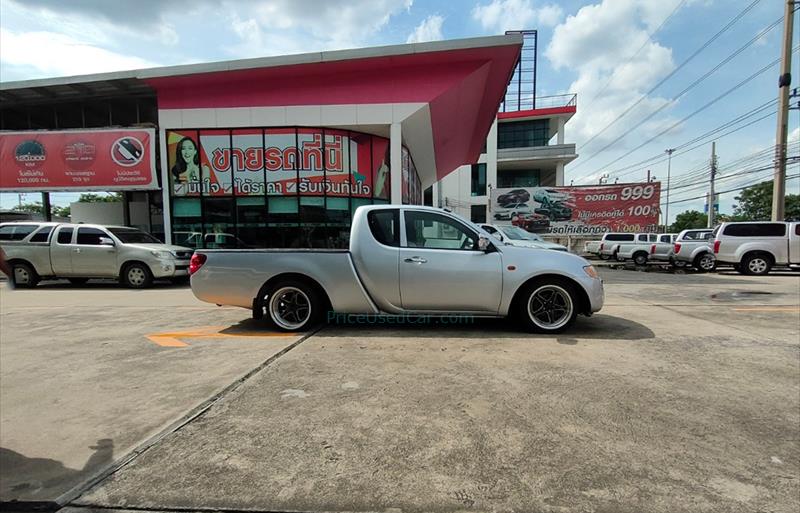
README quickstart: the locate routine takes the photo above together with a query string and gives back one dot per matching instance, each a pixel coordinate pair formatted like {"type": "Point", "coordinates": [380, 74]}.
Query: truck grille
{"type": "Point", "coordinates": [183, 255]}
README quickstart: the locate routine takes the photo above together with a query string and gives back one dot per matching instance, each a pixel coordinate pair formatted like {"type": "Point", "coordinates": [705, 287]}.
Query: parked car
{"type": "Point", "coordinates": [756, 247]}
{"type": "Point", "coordinates": [513, 197]}
{"type": "Point", "coordinates": [518, 237]}
{"type": "Point", "coordinates": [592, 247]}
{"type": "Point", "coordinates": [643, 252]}
{"type": "Point", "coordinates": [611, 242]}
{"type": "Point", "coordinates": [531, 222]}
{"type": "Point", "coordinates": [402, 260]}
{"type": "Point", "coordinates": [510, 211]}
{"type": "Point", "coordinates": [79, 252]}
{"type": "Point", "coordinates": [694, 248]}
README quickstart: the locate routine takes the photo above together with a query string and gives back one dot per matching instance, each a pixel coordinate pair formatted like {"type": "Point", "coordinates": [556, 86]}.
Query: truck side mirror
{"type": "Point", "coordinates": [105, 241]}
{"type": "Point", "coordinates": [483, 243]}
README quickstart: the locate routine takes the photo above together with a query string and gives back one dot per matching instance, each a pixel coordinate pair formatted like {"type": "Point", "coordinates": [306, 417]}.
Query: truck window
{"type": "Point", "coordinates": [619, 237]}
{"type": "Point", "coordinates": [755, 230]}
{"type": "Point", "coordinates": [16, 231]}
{"type": "Point", "coordinates": [42, 235]}
{"type": "Point", "coordinates": [435, 231]}
{"type": "Point", "coordinates": [489, 229]}
{"type": "Point", "coordinates": [64, 235]}
{"type": "Point", "coordinates": [797, 229]}
{"type": "Point", "coordinates": [90, 236]}
{"type": "Point", "coordinates": [666, 238]}
{"type": "Point", "coordinates": [385, 226]}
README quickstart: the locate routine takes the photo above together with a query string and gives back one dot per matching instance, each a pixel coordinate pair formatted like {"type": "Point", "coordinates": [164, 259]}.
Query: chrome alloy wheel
{"type": "Point", "coordinates": [550, 307]}
{"type": "Point", "coordinates": [707, 262]}
{"type": "Point", "coordinates": [757, 265]}
{"type": "Point", "coordinates": [136, 276]}
{"type": "Point", "coordinates": [289, 308]}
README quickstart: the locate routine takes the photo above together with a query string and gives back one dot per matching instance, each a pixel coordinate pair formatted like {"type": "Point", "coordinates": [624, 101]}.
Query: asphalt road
{"type": "Point", "coordinates": [683, 394]}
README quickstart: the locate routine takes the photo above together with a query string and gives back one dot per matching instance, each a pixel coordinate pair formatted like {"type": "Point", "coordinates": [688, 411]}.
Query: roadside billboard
{"type": "Point", "coordinates": [632, 207]}
{"type": "Point", "coordinates": [78, 160]}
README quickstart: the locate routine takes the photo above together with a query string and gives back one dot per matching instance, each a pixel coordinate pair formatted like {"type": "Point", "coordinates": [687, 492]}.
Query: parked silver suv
{"type": "Point", "coordinates": [79, 252]}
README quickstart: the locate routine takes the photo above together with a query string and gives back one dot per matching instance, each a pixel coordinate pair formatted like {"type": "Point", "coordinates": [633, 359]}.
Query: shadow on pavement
{"type": "Point", "coordinates": [39, 481]}
{"type": "Point", "coordinates": [603, 327]}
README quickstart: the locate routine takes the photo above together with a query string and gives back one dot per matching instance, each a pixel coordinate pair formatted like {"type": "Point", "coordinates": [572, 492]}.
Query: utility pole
{"type": "Point", "coordinates": [669, 169]}
{"type": "Point", "coordinates": [784, 81]}
{"type": "Point", "coordinates": [711, 192]}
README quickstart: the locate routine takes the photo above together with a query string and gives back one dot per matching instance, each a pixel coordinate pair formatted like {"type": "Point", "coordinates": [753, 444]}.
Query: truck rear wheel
{"type": "Point", "coordinates": [25, 276]}
{"type": "Point", "coordinates": [548, 306]}
{"type": "Point", "coordinates": [640, 258]}
{"type": "Point", "coordinates": [705, 262]}
{"type": "Point", "coordinates": [756, 264]}
{"type": "Point", "coordinates": [293, 306]}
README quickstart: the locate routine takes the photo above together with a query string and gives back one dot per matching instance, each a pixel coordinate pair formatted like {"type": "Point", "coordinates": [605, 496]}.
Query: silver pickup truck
{"type": "Point", "coordinates": [694, 248]}
{"type": "Point", "coordinates": [79, 252]}
{"type": "Point", "coordinates": [402, 260]}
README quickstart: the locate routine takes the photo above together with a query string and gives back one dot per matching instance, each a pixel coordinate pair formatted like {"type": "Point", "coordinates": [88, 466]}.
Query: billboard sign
{"type": "Point", "coordinates": [579, 210]}
{"type": "Point", "coordinates": [277, 161]}
{"type": "Point", "coordinates": [78, 160]}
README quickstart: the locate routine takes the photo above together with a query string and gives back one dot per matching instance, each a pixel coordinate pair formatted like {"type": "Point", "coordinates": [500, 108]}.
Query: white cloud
{"type": "Point", "coordinates": [44, 54]}
{"type": "Point", "coordinates": [794, 135]}
{"type": "Point", "coordinates": [599, 43]}
{"type": "Point", "coordinates": [502, 15]}
{"type": "Point", "coordinates": [430, 29]}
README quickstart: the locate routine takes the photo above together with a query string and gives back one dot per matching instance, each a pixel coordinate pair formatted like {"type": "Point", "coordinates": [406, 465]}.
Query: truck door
{"type": "Point", "coordinates": [794, 243]}
{"type": "Point", "coordinates": [61, 251]}
{"type": "Point", "coordinates": [90, 257]}
{"type": "Point", "coordinates": [441, 268]}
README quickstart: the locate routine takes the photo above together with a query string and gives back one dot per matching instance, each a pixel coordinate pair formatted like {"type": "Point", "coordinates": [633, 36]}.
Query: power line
{"type": "Point", "coordinates": [646, 41]}
{"type": "Point", "coordinates": [671, 74]}
{"type": "Point", "coordinates": [729, 190]}
{"type": "Point", "coordinates": [691, 86]}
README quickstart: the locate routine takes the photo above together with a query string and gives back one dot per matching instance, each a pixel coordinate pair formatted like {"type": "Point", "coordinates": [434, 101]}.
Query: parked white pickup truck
{"type": "Point", "coordinates": [756, 247]}
{"type": "Point", "coordinates": [402, 260]}
{"type": "Point", "coordinates": [612, 242]}
{"type": "Point", "coordinates": [643, 252]}
{"type": "Point", "coordinates": [79, 252]}
{"type": "Point", "coordinates": [695, 248]}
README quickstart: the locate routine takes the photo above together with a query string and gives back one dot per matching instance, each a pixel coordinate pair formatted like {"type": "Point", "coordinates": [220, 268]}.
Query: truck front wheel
{"type": "Point", "coordinates": [705, 262]}
{"type": "Point", "coordinates": [293, 306]}
{"type": "Point", "coordinates": [548, 306]}
{"type": "Point", "coordinates": [137, 276]}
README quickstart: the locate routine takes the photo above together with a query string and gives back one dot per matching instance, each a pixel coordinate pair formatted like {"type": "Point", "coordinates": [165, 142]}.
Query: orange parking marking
{"type": "Point", "coordinates": [769, 309]}
{"type": "Point", "coordinates": [172, 339]}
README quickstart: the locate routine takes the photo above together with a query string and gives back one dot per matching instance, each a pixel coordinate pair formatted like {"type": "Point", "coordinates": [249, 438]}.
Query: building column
{"type": "Point", "coordinates": [559, 174]}
{"type": "Point", "coordinates": [166, 205]}
{"type": "Point", "coordinates": [491, 156]}
{"type": "Point", "coordinates": [560, 134]}
{"type": "Point", "coordinates": [396, 163]}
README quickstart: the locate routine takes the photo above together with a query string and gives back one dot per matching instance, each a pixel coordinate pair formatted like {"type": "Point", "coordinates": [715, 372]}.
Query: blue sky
{"type": "Point", "coordinates": [610, 52]}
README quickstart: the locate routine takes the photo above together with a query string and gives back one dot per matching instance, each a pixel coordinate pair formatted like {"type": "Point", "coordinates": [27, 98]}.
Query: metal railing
{"type": "Point", "coordinates": [541, 102]}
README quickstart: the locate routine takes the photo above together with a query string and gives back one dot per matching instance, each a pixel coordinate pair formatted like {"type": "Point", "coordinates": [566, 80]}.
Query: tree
{"type": "Point", "coordinates": [60, 211]}
{"type": "Point", "coordinates": [689, 219]}
{"type": "Point", "coordinates": [35, 208]}
{"type": "Point", "coordinates": [755, 203]}
{"type": "Point", "coordinates": [90, 197]}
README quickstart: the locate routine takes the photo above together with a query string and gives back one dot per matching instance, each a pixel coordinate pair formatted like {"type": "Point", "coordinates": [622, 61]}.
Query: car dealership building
{"type": "Point", "coordinates": [279, 151]}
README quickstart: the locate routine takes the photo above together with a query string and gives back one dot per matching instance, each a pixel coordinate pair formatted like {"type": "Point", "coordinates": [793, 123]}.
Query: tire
{"type": "Point", "coordinates": [78, 281]}
{"type": "Point", "coordinates": [137, 276]}
{"type": "Point", "coordinates": [604, 257]}
{"type": "Point", "coordinates": [756, 264]}
{"type": "Point", "coordinates": [678, 264]}
{"type": "Point", "coordinates": [551, 297]}
{"type": "Point", "coordinates": [705, 262]}
{"type": "Point", "coordinates": [25, 276]}
{"type": "Point", "coordinates": [292, 306]}
{"type": "Point", "coordinates": [640, 258]}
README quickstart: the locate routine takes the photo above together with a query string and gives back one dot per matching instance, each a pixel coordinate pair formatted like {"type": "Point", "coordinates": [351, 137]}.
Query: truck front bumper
{"type": "Point", "coordinates": [170, 268]}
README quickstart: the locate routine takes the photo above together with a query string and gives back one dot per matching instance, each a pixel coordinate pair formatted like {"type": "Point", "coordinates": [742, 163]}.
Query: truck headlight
{"type": "Point", "coordinates": [590, 271]}
{"type": "Point", "coordinates": [162, 255]}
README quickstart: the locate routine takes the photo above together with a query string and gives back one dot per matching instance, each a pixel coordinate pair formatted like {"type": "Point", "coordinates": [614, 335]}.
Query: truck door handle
{"type": "Point", "coordinates": [76, 250]}
{"type": "Point", "coordinates": [415, 260]}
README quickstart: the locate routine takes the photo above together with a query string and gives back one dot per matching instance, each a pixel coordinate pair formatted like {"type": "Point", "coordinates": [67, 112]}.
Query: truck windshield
{"type": "Point", "coordinates": [517, 233]}
{"type": "Point", "coordinates": [132, 236]}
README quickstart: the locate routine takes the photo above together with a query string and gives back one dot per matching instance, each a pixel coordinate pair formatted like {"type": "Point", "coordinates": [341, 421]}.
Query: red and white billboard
{"type": "Point", "coordinates": [277, 161]}
{"type": "Point", "coordinates": [78, 160]}
{"type": "Point", "coordinates": [632, 207]}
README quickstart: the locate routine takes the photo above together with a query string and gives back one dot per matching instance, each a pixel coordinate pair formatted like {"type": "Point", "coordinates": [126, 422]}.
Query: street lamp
{"type": "Point", "coordinates": [669, 169]}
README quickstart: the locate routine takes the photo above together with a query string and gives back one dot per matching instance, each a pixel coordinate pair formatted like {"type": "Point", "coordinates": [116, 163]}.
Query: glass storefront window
{"type": "Point", "coordinates": [283, 210]}
{"type": "Point", "coordinates": [218, 222]}
{"type": "Point", "coordinates": [247, 160]}
{"type": "Point", "coordinates": [251, 217]}
{"type": "Point", "coordinates": [523, 134]}
{"type": "Point", "coordinates": [478, 182]}
{"type": "Point", "coordinates": [187, 222]}
{"type": "Point", "coordinates": [518, 178]}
